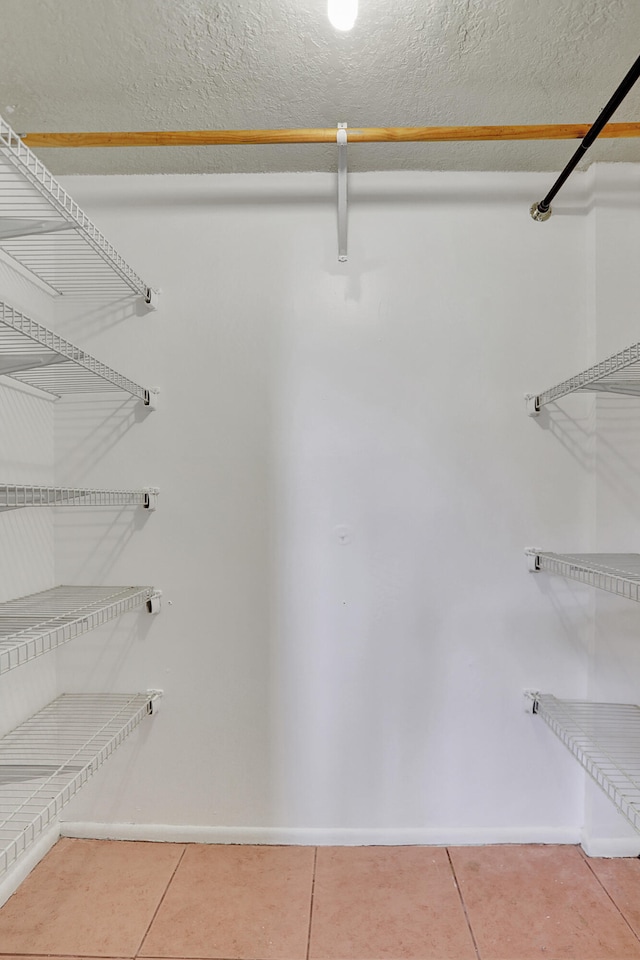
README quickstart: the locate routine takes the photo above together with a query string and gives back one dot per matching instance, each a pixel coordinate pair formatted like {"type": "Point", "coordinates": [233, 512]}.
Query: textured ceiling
{"type": "Point", "coordinates": [70, 65]}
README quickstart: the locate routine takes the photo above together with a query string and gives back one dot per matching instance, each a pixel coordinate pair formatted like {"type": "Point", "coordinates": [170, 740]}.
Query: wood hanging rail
{"type": "Point", "coordinates": [193, 138]}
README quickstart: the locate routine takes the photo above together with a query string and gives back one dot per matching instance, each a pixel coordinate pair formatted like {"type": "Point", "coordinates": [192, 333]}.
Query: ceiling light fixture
{"type": "Point", "coordinates": [342, 13]}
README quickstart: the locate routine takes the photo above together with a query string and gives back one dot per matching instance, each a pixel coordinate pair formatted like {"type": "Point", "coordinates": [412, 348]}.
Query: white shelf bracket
{"type": "Point", "coordinates": [151, 398]}
{"type": "Point", "coordinates": [151, 298]}
{"type": "Point", "coordinates": [154, 602]}
{"type": "Point", "coordinates": [155, 696]}
{"type": "Point", "coordinates": [342, 192]}
{"type": "Point", "coordinates": [151, 498]}
{"type": "Point", "coordinates": [533, 561]}
{"type": "Point", "coordinates": [533, 404]}
{"type": "Point", "coordinates": [533, 701]}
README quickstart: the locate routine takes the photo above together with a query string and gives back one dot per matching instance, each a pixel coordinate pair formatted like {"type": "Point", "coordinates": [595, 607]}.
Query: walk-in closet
{"type": "Point", "coordinates": [319, 463]}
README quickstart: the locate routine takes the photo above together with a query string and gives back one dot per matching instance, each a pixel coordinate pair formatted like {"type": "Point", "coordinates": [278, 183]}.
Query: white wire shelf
{"type": "Point", "coordinates": [15, 495]}
{"type": "Point", "coordinates": [48, 234]}
{"type": "Point", "coordinates": [617, 573]}
{"type": "Point", "coordinates": [34, 355]}
{"type": "Point", "coordinates": [45, 761]}
{"type": "Point", "coordinates": [36, 624]}
{"type": "Point", "coordinates": [605, 739]}
{"type": "Point", "coordinates": [619, 373]}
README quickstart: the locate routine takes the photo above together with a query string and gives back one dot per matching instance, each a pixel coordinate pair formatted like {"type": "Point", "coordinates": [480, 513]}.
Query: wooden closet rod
{"type": "Point", "coordinates": [193, 138]}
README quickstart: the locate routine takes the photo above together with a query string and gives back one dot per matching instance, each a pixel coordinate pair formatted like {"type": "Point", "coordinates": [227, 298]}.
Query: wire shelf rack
{"type": "Point", "coordinates": [36, 624]}
{"type": "Point", "coordinates": [14, 495]}
{"type": "Point", "coordinates": [45, 761]}
{"type": "Point", "coordinates": [605, 739]}
{"type": "Point", "coordinates": [619, 373]}
{"type": "Point", "coordinates": [48, 234]}
{"type": "Point", "coordinates": [617, 573]}
{"type": "Point", "coordinates": [34, 355]}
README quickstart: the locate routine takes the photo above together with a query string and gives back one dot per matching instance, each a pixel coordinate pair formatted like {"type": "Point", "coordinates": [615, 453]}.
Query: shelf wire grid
{"type": "Point", "coordinates": [14, 495]}
{"type": "Point", "coordinates": [65, 250]}
{"type": "Point", "coordinates": [40, 358]}
{"type": "Point", "coordinates": [36, 624]}
{"type": "Point", "coordinates": [47, 759]}
{"type": "Point", "coordinates": [619, 373]}
{"type": "Point", "coordinates": [617, 573]}
{"type": "Point", "coordinates": [605, 739]}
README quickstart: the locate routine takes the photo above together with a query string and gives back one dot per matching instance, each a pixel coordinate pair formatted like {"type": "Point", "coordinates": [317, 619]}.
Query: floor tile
{"type": "Point", "coordinates": [236, 902]}
{"type": "Point", "coordinates": [539, 901]}
{"type": "Point", "coordinates": [89, 897]}
{"type": "Point", "coordinates": [621, 879]}
{"type": "Point", "coordinates": [387, 903]}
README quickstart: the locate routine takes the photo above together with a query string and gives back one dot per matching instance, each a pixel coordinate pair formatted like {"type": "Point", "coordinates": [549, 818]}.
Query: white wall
{"type": "Point", "coordinates": [348, 480]}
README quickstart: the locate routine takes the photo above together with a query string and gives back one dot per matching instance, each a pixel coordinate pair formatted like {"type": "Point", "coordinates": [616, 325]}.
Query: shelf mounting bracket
{"type": "Point", "coordinates": [533, 404]}
{"type": "Point", "coordinates": [342, 192]}
{"type": "Point", "coordinates": [533, 559]}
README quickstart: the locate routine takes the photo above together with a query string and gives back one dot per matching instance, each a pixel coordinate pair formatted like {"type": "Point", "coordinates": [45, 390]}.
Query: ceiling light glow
{"type": "Point", "coordinates": [342, 13]}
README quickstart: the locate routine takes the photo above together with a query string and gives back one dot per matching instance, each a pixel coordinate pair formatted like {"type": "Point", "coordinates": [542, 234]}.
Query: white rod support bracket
{"type": "Point", "coordinates": [151, 498]}
{"type": "Point", "coordinates": [533, 404]}
{"type": "Point", "coordinates": [533, 563]}
{"type": "Point", "coordinates": [342, 192]}
{"type": "Point", "coordinates": [532, 697]}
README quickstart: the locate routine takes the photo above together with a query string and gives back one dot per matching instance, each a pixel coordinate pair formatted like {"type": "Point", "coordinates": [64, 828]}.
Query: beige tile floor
{"type": "Point", "coordinates": [92, 898]}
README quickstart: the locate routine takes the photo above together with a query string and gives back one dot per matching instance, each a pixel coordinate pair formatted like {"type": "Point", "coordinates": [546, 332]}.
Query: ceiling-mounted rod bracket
{"type": "Point", "coordinates": [342, 192]}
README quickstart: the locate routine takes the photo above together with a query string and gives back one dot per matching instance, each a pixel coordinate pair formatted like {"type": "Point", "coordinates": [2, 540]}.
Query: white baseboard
{"type": "Point", "coordinates": [616, 847]}
{"type": "Point", "coordinates": [321, 836]}
{"type": "Point", "coordinates": [14, 877]}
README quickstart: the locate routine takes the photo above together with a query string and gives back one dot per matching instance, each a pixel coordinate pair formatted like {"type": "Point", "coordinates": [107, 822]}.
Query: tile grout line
{"type": "Point", "coordinates": [313, 887]}
{"type": "Point", "coordinates": [586, 860]}
{"type": "Point", "coordinates": [464, 906]}
{"type": "Point", "coordinates": [160, 902]}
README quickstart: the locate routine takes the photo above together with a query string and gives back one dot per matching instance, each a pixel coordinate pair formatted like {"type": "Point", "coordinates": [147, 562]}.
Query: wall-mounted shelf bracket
{"type": "Point", "coordinates": [151, 398]}
{"type": "Point", "coordinates": [533, 700]}
{"type": "Point", "coordinates": [155, 696]}
{"type": "Point", "coordinates": [532, 401]}
{"type": "Point", "coordinates": [151, 497]}
{"type": "Point", "coordinates": [154, 602]}
{"type": "Point", "coordinates": [151, 298]}
{"type": "Point", "coordinates": [533, 559]}
{"type": "Point", "coordinates": [342, 192]}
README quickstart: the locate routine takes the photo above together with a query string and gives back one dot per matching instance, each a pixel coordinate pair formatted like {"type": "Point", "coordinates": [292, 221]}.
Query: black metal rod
{"type": "Point", "coordinates": [605, 115]}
